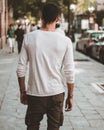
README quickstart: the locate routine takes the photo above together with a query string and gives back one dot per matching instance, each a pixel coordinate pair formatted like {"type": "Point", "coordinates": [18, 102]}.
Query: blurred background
{"type": "Point", "coordinates": [79, 14]}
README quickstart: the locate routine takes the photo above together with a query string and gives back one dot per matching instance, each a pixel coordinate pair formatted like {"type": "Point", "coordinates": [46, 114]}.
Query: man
{"type": "Point", "coordinates": [47, 52]}
{"type": "Point", "coordinates": [19, 36]}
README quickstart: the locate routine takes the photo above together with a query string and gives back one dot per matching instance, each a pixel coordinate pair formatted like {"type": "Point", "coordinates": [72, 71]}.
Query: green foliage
{"type": "Point", "coordinates": [24, 7]}
{"type": "Point", "coordinates": [83, 5]}
{"type": "Point", "coordinates": [32, 8]}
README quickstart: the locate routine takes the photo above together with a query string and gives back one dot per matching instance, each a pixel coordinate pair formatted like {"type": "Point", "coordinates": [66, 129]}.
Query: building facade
{"type": "Point", "coordinates": [100, 12]}
{"type": "Point", "coordinates": [100, 5]}
{"type": "Point", "coordinates": [3, 22]}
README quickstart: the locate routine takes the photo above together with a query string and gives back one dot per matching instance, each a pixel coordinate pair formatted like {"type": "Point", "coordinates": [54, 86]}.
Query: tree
{"type": "Point", "coordinates": [25, 7]}
{"type": "Point", "coordinates": [82, 6]}
{"type": "Point", "coordinates": [100, 16]}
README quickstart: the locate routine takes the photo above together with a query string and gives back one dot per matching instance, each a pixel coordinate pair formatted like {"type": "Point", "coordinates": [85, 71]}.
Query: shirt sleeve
{"type": "Point", "coordinates": [68, 63]}
{"type": "Point", "coordinates": [23, 60]}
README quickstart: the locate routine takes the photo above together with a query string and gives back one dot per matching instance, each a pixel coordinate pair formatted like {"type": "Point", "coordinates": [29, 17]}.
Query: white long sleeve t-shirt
{"type": "Point", "coordinates": [47, 54]}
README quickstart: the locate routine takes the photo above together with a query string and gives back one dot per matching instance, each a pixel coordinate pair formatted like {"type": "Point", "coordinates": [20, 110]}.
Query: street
{"type": "Point", "coordinates": [88, 111]}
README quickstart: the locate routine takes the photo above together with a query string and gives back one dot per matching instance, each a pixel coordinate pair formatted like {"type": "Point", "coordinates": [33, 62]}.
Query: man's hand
{"type": "Point", "coordinates": [23, 98]}
{"type": "Point", "coordinates": [69, 101]}
{"type": "Point", "coordinates": [69, 104]}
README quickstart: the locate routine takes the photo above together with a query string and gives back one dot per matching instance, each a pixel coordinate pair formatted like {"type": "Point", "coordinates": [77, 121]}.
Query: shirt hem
{"type": "Point", "coordinates": [42, 95]}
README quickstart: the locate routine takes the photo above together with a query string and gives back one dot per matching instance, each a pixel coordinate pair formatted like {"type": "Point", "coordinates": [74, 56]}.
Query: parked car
{"type": "Point", "coordinates": [87, 38]}
{"type": "Point", "coordinates": [96, 50]}
{"type": "Point", "coordinates": [102, 54]}
{"type": "Point", "coordinates": [101, 27]}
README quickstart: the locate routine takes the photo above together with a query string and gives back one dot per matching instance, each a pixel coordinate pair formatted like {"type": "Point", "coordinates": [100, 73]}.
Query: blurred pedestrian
{"type": "Point", "coordinates": [48, 52]}
{"type": "Point", "coordinates": [71, 34]}
{"type": "Point", "coordinates": [11, 38]}
{"type": "Point", "coordinates": [27, 28]}
{"type": "Point", "coordinates": [96, 27]}
{"type": "Point", "coordinates": [19, 36]}
{"type": "Point", "coordinates": [33, 27]}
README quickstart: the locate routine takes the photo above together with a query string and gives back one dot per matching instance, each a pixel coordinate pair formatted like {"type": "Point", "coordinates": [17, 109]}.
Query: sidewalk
{"type": "Point", "coordinates": [88, 111]}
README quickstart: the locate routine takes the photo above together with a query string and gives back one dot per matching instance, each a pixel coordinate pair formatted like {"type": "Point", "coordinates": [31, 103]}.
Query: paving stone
{"type": "Point", "coordinates": [93, 116]}
{"type": "Point", "coordinates": [97, 123]}
{"type": "Point", "coordinates": [88, 128]}
{"type": "Point", "coordinates": [79, 122]}
{"type": "Point", "coordinates": [74, 113]}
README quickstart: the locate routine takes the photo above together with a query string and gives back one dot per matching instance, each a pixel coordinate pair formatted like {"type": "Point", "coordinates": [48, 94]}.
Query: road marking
{"type": "Point", "coordinates": [98, 87]}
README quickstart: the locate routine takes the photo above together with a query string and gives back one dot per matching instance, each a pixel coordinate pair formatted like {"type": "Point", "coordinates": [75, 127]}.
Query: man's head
{"type": "Point", "coordinates": [20, 26]}
{"type": "Point", "coordinates": [11, 26]}
{"type": "Point", "coordinates": [50, 13]}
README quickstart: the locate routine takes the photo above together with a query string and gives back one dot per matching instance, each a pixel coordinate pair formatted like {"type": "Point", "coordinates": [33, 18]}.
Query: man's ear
{"type": "Point", "coordinates": [57, 19]}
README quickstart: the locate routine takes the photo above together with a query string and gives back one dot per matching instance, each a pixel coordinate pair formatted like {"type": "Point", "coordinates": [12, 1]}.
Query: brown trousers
{"type": "Point", "coordinates": [52, 106]}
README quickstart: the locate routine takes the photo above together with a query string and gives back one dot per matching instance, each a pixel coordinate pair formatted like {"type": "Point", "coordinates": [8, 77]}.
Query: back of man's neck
{"type": "Point", "coordinates": [48, 27]}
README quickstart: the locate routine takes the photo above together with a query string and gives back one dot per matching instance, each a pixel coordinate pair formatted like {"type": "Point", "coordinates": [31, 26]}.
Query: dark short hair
{"type": "Point", "coordinates": [11, 25]}
{"type": "Point", "coordinates": [19, 25]}
{"type": "Point", "coordinates": [50, 12]}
